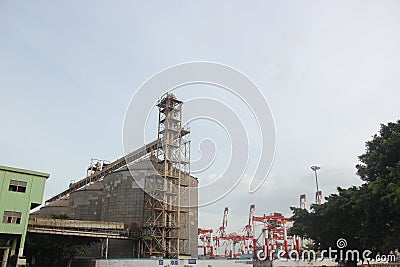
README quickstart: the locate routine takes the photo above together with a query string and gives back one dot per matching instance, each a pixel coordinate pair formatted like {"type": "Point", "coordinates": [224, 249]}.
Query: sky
{"type": "Point", "coordinates": [328, 70]}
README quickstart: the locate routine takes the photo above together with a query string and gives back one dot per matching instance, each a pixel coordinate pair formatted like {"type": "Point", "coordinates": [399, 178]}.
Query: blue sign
{"type": "Point", "coordinates": [192, 261]}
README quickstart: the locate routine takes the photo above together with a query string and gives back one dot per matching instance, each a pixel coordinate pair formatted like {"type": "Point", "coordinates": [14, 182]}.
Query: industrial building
{"type": "Point", "coordinates": [20, 191]}
{"type": "Point", "coordinates": [150, 190]}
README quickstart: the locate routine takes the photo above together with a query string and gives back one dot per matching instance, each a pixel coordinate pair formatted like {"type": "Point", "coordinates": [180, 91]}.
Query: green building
{"type": "Point", "coordinates": [20, 191]}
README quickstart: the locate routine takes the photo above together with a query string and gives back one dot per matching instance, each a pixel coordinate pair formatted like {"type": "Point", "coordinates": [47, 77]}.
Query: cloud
{"type": "Point", "coordinates": [329, 70]}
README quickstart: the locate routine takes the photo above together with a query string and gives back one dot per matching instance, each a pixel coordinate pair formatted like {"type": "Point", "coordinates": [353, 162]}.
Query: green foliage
{"type": "Point", "coordinates": [367, 216]}
{"type": "Point", "coordinates": [381, 159]}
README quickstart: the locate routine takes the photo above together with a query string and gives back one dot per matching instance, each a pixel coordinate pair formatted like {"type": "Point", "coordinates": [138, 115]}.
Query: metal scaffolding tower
{"type": "Point", "coordinates": [165, 212]}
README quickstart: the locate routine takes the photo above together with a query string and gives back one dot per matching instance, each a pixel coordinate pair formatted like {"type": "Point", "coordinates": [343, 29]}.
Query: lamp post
{"type": "Point", "coordinates": [317, 196]}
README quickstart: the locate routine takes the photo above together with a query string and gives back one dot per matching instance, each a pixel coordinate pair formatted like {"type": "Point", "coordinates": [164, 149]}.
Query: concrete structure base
{"type": "Point", "coordinates": [6, 251]}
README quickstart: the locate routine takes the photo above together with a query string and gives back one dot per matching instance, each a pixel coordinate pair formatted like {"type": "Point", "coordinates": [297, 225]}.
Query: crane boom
{"type": "Point", "coordinates": [248, 229]}
{"type": "Point", "coordinates": [222, 229]}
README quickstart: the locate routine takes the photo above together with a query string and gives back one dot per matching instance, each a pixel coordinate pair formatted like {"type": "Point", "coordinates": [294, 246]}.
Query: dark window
{"type": "Point", "coordinates": [21, 189]}
{"type": "Point", "coordinates": [12, 217]}
{"type": "Point", "coordinates": [12, 188]}
{"type": "Point", "coordinates": [17, 186]}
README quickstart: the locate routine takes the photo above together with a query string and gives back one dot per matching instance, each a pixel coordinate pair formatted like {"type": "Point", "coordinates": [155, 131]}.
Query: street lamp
{"type": "Point", "coordinates": [317, 196]}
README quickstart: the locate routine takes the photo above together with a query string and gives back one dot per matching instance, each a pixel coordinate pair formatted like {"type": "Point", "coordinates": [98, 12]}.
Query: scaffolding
{"type": "Point", "coordinates": [166, 202]}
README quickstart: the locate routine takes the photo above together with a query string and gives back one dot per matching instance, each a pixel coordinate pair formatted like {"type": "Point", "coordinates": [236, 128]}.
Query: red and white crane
{"type": "Point", "coordinates": [247, 242]}
{"type": "Point", "coordinates": [248, 229]}
{"type": "Point", "coordinates": [274, 235]}
{"type": "Point", "coordinates": [222, 228]}
{"type": "Point", "coordinates": [206, 236]}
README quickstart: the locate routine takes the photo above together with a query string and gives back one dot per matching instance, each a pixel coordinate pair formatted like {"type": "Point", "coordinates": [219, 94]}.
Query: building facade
{"type": "Point", "coordinates": [20, 191]}
{"type": "Point", "coordinates": [119, 197]}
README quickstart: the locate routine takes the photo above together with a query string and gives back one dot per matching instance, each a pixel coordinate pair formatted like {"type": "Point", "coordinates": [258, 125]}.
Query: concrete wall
{"type": "Point", "coordinates": [86, 204]}
{"type": "Point", "coordinates": [119, 198]}
{"type": "Point", "coordinates": [193, 223]}
{"type": "Point", "coordinates": [117, 249]}
{"type": "Point", "coordinates": [122, 199]}
{"type": "Point", "coordinates": [48, 211]}
{"type": "Point", "coordinates": [189, 218]}
{"type": "Point", "coordinates": [83, 263]}
{"type": "Point", "coordinates": [122, 249]}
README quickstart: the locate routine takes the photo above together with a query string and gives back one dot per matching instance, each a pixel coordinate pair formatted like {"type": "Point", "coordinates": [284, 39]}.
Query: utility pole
{"type": "Point", "coordinates": [318, 193]}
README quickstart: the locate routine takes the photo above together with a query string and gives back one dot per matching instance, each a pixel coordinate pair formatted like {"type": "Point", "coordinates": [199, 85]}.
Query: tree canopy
{"type": "Point", "coordinates": [367, 216]}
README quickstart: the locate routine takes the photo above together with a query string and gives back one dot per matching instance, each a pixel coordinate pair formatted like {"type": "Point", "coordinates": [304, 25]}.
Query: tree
{"type": "Point", "coordinates": [367, 216]}
{"type": "Point", "coordinates": [380, 169]}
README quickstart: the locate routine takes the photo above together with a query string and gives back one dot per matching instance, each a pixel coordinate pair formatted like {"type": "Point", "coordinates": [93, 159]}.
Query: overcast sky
{"type": "Point", "coordinates": [329, 71]}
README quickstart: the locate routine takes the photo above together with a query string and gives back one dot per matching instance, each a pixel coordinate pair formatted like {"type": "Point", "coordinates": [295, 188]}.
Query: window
{"type": "Point", "coordinates": [17, 186]}
{"type": "Point", "coordinates": [12, 217]}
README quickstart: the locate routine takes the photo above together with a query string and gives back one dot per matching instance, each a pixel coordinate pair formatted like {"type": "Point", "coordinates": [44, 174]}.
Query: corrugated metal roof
{"type": "Point", "coordinates": [99, 185]}
{"type": "Point", "coordinates": [60, 203]}
{"type": "Point", "coordinates": [139, 165]}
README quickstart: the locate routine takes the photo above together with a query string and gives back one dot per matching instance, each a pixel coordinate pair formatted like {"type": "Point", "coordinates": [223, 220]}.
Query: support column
{"type": "Point", "coordinates": [21, 246]}
{"type": "Point", "coordinates": [107, 248]}
{"type": "Point", "coordinates": [231, 250]}
{"type": "Point", "coordinates": [254, 248]}
{"type": "Point", "coordinates": [13, 247]}
{"type": "Point", "coordinates": [254, 239]}
{"type": "Point", "coordinates": [266, 241]}
{"type": "Point", "coordinates": [102, 249]}
{"type": "Point", "coordinates": [298, 246]}
{"type": "Point", "coordinates": [139, 249]}
{"type": "Point", "coordinates": [211, 245]}
{"type": "Point", "coordinates": [204, 246]}
{"type": "Point", "coordinates": [5, 257]}
{"type": "Point", "coordinates": [285, 241]}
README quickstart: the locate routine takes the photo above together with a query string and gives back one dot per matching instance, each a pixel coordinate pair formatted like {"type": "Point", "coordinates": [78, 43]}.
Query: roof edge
{"type": "Point", "coordinates": [24, 171]}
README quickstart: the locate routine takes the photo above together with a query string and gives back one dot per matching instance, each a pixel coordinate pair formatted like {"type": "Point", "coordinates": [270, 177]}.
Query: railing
{"type": "Point", "coordinates": [116, 230]}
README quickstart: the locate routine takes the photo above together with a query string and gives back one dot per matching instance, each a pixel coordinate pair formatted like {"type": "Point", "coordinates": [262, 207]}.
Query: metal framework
{"type": "Point", "coordinates": [97, 175]}
{"type": "Point", "coordinates": [164, 229]}
{"type": "Point", "coordinates": [165, 211]}
{"type": "Point", "coordinates": [250, 243]}
{"type": "Point", "coordinates": [248, 229]}
{"type": "Point", "coordinates": [274, 233]}
{"type": "Point", "coordinates": [222, 228]}
{"type": "Point", "coordinates": [96, 229]}
{"type": "Point", "coordinates": [318, 193]}
{"type": "Point", "coordinates": [206, 236]}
